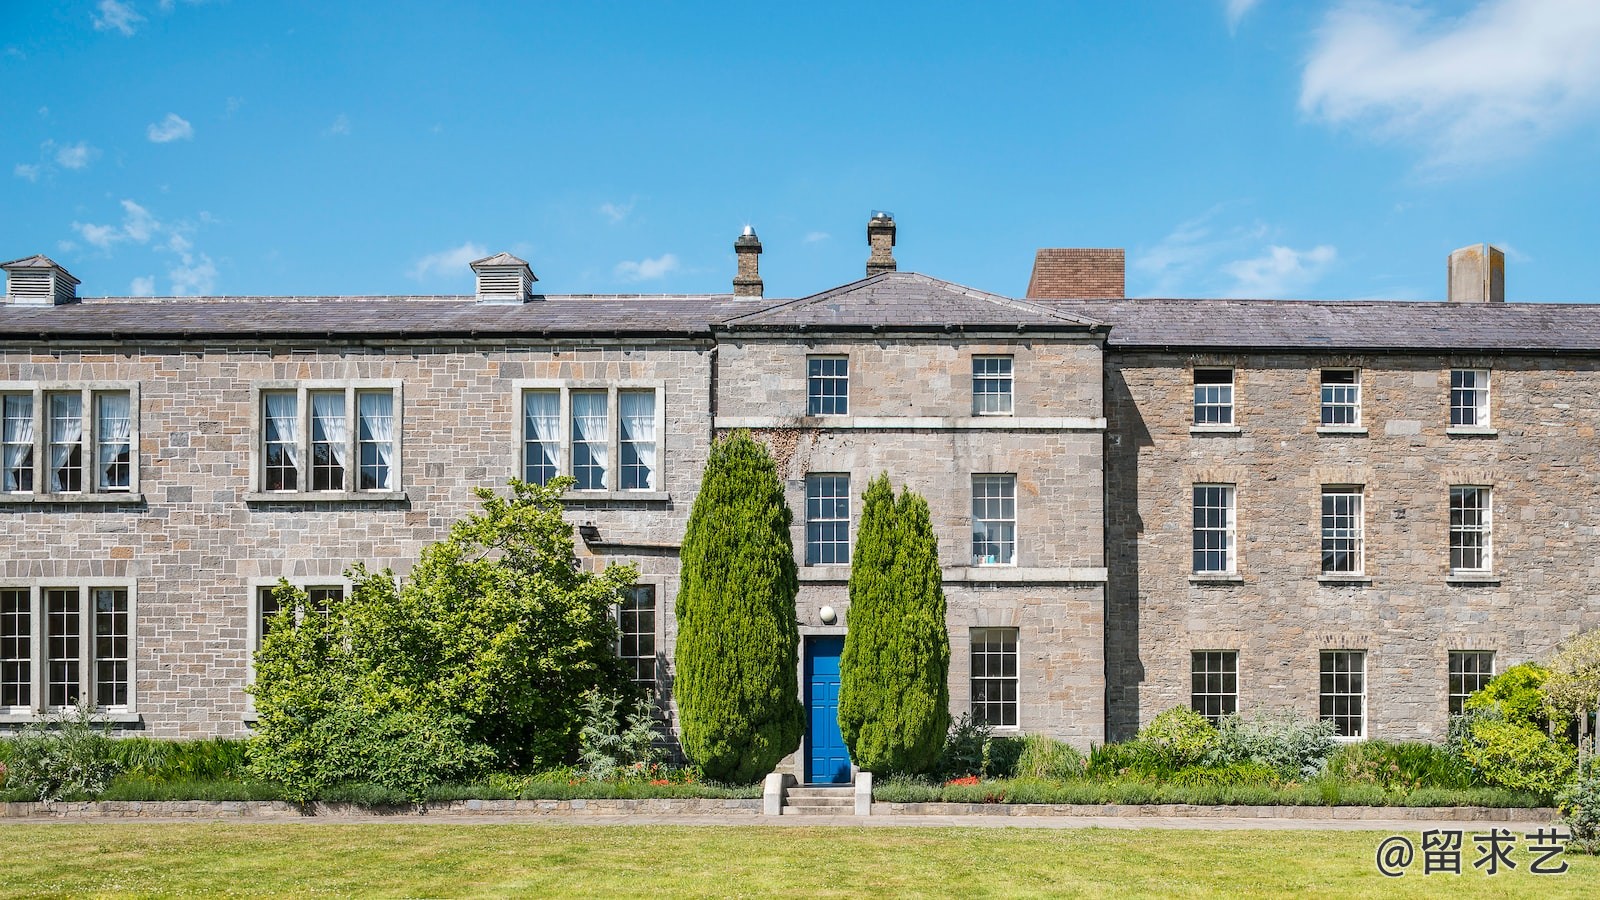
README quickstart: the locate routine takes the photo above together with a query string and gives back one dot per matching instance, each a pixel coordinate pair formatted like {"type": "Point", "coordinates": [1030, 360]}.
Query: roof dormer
{"type": "Point", "coordinates": [503, 278]}
{"type": "Point", "coordinates": [39, 281]}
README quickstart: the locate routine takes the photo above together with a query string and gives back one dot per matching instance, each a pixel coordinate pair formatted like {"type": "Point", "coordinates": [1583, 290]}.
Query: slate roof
{"type": "Point", "coordinates": [36, 261]}
{"type": "Point", "coordinates": [1345, 325]}
{"type": "Point", "coordinates": [900, 300]}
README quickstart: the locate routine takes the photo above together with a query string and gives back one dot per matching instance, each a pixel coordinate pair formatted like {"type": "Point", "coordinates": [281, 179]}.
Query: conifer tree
{"type": "Point", "coordinates": [738, 644]}
{"type": "Point", "coordinates": [894, 690]}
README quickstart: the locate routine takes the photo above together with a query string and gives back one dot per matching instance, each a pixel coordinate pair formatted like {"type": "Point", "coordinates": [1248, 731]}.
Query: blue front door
{"type": "Point", "coordinates": [827, 760]}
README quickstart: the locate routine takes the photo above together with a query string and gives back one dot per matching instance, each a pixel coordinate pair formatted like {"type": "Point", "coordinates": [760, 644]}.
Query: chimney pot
{"type": "Point", "coordinates": [880, 239]}
{"type": "Point", "coordinates": [1477, 274]}
{"type": "Point", "coordinates": [747, 281]}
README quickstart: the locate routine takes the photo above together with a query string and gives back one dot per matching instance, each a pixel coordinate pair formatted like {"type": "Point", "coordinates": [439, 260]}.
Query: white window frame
{"type": "Point", "coordinates": [1205, 665]}
{"type": "Point", "coordinates": [815, 523]}
{"type": "Point", "coordinates": [1456, 700]}
{"type": "Point", "coordinates": [1010, 647]}
{"type": "Point", "coordinates": [633, 660]}
{"type": "Point", "coordinates": [993, 384]}
{"type": "Point", "coordinates": [255, 620]}
{"type": "Point", "coordinates": [1335, 536]}
{"type": "Point", "coordinates": [1213, 400]}
{"type": "Point", "coordinates": [1470, 401]}
{"type": "Point", "coordinates": [1328, 667]}
{"type": "Point", "coordinates": [1340, 400]}
{"type": "Point", "coordinates": [89, 442]}
{"type": "Point", "coordinates": [351, 480]}
{"type": "Point", "coordinates": [1462, 533]}
{"type": "Point", "coordinates": [990, 517]}
{"type": "Point", "coordinates": [614, 441]}
{"type": "Point", "coordinates": [1226, 531]}
{"type": "Point", "coordinates": [817, 399]}
{"type": "Point", "coordinates": [89, 684]}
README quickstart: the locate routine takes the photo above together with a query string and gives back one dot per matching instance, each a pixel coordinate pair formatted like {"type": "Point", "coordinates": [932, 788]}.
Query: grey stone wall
{"type": "Point", "coordinates": [1409, 613]}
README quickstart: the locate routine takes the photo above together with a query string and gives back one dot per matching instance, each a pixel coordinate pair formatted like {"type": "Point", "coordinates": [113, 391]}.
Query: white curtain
{"type": "Point", "coordinates": [589, 421]}
{"type": "Point", "coordinates": [327, 417]}
{"type": "Point", "coordinates": [18, 438]}
{"type": "Point", "coordinates": [377, 427]}
{"type": "Point", "coordinates": [66, 434]}
{"type": "Point", "coordinates": [638, 410]}
{"type": "Point", "coordinates": [281, 427]}
{"type": "Point", "coordinates": [114, 428]}
{"type": "Point", "coordinates": [541, 411]}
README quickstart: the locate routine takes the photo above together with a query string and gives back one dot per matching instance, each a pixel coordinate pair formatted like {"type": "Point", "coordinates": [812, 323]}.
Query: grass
{"type": "Point", "coordinates": [1321, 792]}
{"type": "Point", "coordinates": [672, 861]}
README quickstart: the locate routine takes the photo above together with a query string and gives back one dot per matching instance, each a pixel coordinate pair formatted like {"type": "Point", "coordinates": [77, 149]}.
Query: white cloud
{"type": "Point", "coordinates": [172, 128]}
{"type": "Point", "coordinates": [75, 156]}
{"type": "Point", "coordinates": [193, 276]}
{"type": "Point", "coordinates": [647, 269]}
{"type": "Point", "coordinates": [193, 273]}
{"type": "Point", "coordinates": [616, 212]}
{"type": "Point", "coordinates": [1486, 85]}
{"type": "Point", "coordinates": [114, 16]}
{"type": "Point", "coordinates": [1280, 272]}
{"type": "Point", "coordinates": [450, 263]}
{"type": "Point", "coordinates": [143, 286]}
{"type": "Point", "coordinates": [341, 125]}
{"type": "Point", "coordinates": [813, 237]}
{"type": "Point", "coordinates": [102, 236]}
{"type": "Point", "coordinates": [1236, 10]}
{"type": "Point", "coordinates": [23, 170]}
{"type": "Point", "coordinates": [1204, 257]}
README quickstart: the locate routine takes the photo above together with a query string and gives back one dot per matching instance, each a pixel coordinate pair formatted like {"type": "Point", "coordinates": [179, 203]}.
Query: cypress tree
{"type": "Point", "coordinates": [894, 690]}
{"type": "Point", "coordinates": [738, 644]}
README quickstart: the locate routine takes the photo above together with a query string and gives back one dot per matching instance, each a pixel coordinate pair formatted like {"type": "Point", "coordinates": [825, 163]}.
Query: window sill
{"type": "Point", "coordinates": [998, 574]}
{"type": "Point", "coordinates": [825, 573]}
{"type": "Point", "coordinates": [111, 718]}
{"type": "Point", "coordinates": [1471, 431]}
{"type": "Point", "coordinates": [1488, 578]}
{"type": "Point", "coordinates": [119, 499]}
{"type": "Point", "coordinates": [1216, 578]}
{"type": "Point", "coordinates": [1345, 579]}
{"type": "Point", "coordinates": [303, 497]}
{"type": "Point", "coordinates": [1214, 429]}
{"type": "Point", "coordinates": [1346, 430]}
{"type": "Point", "coordinates": [614, 496]}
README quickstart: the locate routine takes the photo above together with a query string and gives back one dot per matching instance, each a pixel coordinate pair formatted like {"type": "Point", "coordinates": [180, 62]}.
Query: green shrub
{"type": "Point", "coordinates": [1046, 757]}
{"type": "Point", "coordinates": [1401, 766]}
{"type": "Point", "coordinates": [1520, 757]}
{"type": "Point", "coordinates": [209, 759]}
{"type": "Point", "coordinates": [1292, 747]}
{"type": "Point", "coordinates": [1580, 806]}
{"type": "Point", "coordinates": [615, 744]}
{"type": "Point", "coordinates": [1134, 759]}
{"type": "Point", "coordinates": [1004, 753]}
{"type": "Point", "coordinates": [143, 787]}
{"type": "Point", "coordinates": [738, 642]}
{"type": "Point", "coordinates": [1517, 694]}
{"type": "Point", "coordinates": [1240, 774]}
{"type": "Point", "coordinates": [966, 749]}
{"type": "Point", "coordinates": [1180, 734]}
{"type": "Point", "coordinates": [62, 757]}
{"type": "Point", "coordinates": [894, 690]}
{"type": "Point", "coordinates": [906, 789]}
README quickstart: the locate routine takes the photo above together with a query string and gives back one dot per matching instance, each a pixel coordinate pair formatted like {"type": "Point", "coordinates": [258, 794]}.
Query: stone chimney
{"type": "Point", "coordinates": [1477, 274]}
{"type": "Point", "coordinates": [1077, 274]}
{"type": "Point", "coordinates": [503, 278]}
{"type": "Point", "coordinates": [747, 282]}
{"type": "Point", "coordinates": [39, 281]}
{"type": "Point", "coordinates": [880, 237]}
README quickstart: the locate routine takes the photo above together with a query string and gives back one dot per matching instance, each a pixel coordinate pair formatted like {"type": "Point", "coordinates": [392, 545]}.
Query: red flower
{"type": "Point", "coordinates": [970, 779]}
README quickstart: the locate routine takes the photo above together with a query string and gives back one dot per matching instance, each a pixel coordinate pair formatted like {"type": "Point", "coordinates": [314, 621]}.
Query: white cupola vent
{"type": "Point", "coordinates": [39, 281]}
{"type": "Point", "coordinates": [503, 278]}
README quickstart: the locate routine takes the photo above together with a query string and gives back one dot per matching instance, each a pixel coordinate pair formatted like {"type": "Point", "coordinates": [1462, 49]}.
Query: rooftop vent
{"type": "Point", "coordinates": [747, 281]}
{"type": "Point", "coordinates": [503, 278]}
{"type": "Point", "coordinates": [39, 281]}
{"type": "Point", "coordinates": [1477, 274]}
{"type": "Point", "coordinates": [880, 238]}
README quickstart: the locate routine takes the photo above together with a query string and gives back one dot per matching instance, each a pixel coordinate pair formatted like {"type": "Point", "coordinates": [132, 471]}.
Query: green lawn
{"type": "Point", "coordinates": [494, 860]}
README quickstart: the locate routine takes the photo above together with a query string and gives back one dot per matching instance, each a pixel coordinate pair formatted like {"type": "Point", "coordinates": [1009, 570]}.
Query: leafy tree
{"type": "Point", "coordinates": [1573, 685]}
{"type": "Point", "coordinates": [894, 690]}
{"type": "Point", "coordinates": [482, 656]}
{"type": "Point", "coordinates": [738, 643]}
{"type": "Point", "coordinates": [1518, 694]}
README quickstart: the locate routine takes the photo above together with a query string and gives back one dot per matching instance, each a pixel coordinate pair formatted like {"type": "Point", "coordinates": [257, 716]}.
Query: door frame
{"type": "Point", "coordinates": [806, 635]}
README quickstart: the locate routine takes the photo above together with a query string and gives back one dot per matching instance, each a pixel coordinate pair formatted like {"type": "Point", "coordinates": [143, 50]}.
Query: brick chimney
{"type": "Point", "coordinates": [880, 237]}
{"type": "Point", "coordinates": [1477, 274]}
{"type": "Point", "coordinates": [39, 281]}
{"type": "Point", "coordinates": [1077, 274]}
{"type": "Point", "coordinates": [747, 282]}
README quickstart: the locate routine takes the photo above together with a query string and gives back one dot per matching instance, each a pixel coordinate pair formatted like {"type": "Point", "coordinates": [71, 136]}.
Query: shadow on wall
{"type": "Point", "coordinates": [1126, 434]}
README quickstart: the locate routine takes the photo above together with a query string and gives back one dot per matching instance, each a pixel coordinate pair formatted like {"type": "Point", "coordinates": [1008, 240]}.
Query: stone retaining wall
{"type": "Point", "coordinates": [1184, 810]}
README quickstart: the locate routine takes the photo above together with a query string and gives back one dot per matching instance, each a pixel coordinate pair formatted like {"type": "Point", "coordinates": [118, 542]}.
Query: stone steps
{"type": "Point", "coordinates": [819, 801]}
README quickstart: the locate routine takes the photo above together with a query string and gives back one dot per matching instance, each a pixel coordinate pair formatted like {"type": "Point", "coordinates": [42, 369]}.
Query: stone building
{"type": "Point", "coordinates": [1391, 498]}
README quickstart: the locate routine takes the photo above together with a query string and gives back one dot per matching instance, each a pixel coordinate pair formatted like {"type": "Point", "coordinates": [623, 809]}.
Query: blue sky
{"type": "Point", "coordinates": [1284, 148]}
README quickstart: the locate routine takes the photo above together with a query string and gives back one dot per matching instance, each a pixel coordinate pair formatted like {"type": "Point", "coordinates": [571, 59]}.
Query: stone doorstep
{"type": "Point", "coordinates": [277, 809]}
